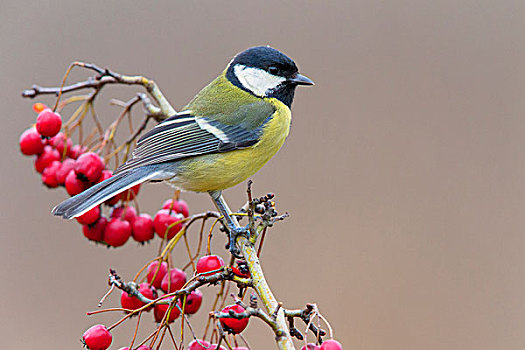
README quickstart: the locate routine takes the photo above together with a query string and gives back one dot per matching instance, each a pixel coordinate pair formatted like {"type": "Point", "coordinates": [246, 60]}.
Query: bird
{"type": "Point", "coordinates": [224, 135]}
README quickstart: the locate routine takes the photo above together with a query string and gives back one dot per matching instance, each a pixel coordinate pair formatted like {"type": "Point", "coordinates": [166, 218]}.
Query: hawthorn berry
{"type": "Point", "coordinates": [331, 345]}
{"type": "Point", "coordinates": [233, 325]}
{"type": "Point", "coordinates": [106, 174]}
{"type": "Point", "coordinates": [31, 142]}
{"type": "Point", "coordinates": [142, 228]}
{"type": "Point", "coordinates": [73, 185]}
{"type": "Point", "coordinates": [133, 303]}
{"type": "Point", "coordinates": [117, 232]}
{"type": "Point", "coordinates": [48, 123]}
{"type": "Point", "coordinates": [209, 263]}
{"type": "Point", "coordinates": [157, 272]}
{"type": "Point", "coordinates": [179, 206]}
{"type": "Point", "coordinates": [97, 337]}
{"type": "Point", "coordinates": [163, 219]}
{"type": "Point", "coordinates": [127, 213]}
{"type": "Point", "coordinates": [89, 216]}
{"type": "Point", "coordinates": [241, 269]}
{"type": "Point", "coordinates": [160, 310]}
{"type": "Point", "coordinates": [128, 195]}
{"type": "Point", "coordinates": [310, 346]}
{"type": "Point", "coordinates": [198, 344]}
{"type": "Point", "coordinates": [65, 167]}
{"type": "Point", "coordinates": [48, 155]}
{"type": "Point", "coordinates": [193, 302]}
{"type": "Point", "coordinates": [95, 231]}
{"type": "Point", "coordinates": [61, 142]}
{"type": "Point", "coordinates": [49, 175]}
{"type": "Point", "coordinates": [89, 166]}
{"type": "Point", "coordinates": [76, 151]}
{"type": "Point", "coordinates": [173, 280]}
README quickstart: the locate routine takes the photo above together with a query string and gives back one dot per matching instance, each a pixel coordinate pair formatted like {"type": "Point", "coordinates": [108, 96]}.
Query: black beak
{"type": "Point", "coordinates": [300, 79]}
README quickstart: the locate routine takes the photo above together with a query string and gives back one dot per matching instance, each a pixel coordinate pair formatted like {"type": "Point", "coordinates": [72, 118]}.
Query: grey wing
{"type": "Point", "coordinates": [185, 135]}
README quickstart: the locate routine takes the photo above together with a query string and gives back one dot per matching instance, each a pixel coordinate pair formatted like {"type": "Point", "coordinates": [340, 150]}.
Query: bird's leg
{"type": "Point", "coordinates": [230, 221]}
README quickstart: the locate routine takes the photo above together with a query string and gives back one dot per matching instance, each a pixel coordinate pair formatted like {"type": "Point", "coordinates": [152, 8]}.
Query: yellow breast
{"type": "Point", "coordinates": [223, 170]}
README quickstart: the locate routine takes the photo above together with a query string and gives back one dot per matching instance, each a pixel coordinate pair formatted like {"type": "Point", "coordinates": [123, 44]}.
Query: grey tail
{"type": "Point", "coordinates": [93, 196]}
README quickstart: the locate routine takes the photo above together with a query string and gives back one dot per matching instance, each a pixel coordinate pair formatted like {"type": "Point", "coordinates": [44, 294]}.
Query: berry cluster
{"type": "Point", "coordinates": [160, 278]}
{"type": "Point", "coordinates": [74, 167]}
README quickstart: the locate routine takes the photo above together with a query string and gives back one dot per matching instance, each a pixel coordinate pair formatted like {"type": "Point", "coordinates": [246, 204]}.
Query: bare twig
{"type": "Point", "coordinates": [104, 77]}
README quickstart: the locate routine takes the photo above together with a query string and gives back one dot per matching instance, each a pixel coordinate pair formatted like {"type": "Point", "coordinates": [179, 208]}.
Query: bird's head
{"type": "Point", "coordinates": [266, 72]}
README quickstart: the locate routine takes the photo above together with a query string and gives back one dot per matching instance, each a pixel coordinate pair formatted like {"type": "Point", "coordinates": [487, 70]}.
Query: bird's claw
{"type": "Point", "coordinates": [234, 232]}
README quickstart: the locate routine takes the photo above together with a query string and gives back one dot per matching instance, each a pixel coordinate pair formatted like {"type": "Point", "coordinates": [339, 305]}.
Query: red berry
{"type": "Point", "coordinates": [163, 220]}
{"type": "Point", "coordinates": [240, 273]}
{"type": "Point", "coordinates": [148, 291]}
{"type": "Point", "coordinates": [142, 228]}
{"type": "Point", "coordinates": [133, 303]}
{"type": "Point", "coordinates": [209, 263]}
{"type": "Point", "coordinates": [199, 344]}
{"type": "Point", "coordinates": [61, 142]}
{"type": "Point", "coordinates": [76, 151]}
{"type": "Point", "coordinates": [90, 216]}
{"type": "Point", "coordinates": [154, 271]}
{"type": "Point", "coordinates": [129, 302]}
{"type": "Point", "coordinates": [48, 155]}
{"type": "Point", "coordinates": [179, 206]}
{"type": "Point", "coordinates": [173, 280]}
{"type": "Point", "coordinates": [106, 174]}
{"type": "Point", "coordinates": [160, 310]}
{"type": "Point", "coordinates": [233, 325]}
{"type": "Point", "coordinates": [89, 167]}
{"type": "Point", "coordinates": [310, 346]}
{"type": "Point", "coordinates": [48, 123]}
{"type": "Point", "coordinates": [331, 345]}
{"type": "Point", "coordinates": [73, 185]}
{"type": "Point", "coordinates": [31, 142]}
{"type": "Point", "coordinates": [39, 107]}
{"type": "Point", "coordinates": [193, 302]}
{"type": "Point", "coordinates": [97, 337]}
{"type": "Point", "coordinates": [49, 175]}
{"type": "Point", "coordinates": [131, 193]}
{"type": "Point", "coordinates": [127, 213]}
{"type": "Point", "coordinates": [95, 231]}
{"type": "Point", "coordinates": [65, 167]}
{"type": "Point", "coordinates": [117, 232]}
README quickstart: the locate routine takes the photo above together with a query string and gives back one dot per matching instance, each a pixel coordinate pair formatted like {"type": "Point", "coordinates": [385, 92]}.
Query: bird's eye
{"type": "Point", "coordinates": [273, 70]}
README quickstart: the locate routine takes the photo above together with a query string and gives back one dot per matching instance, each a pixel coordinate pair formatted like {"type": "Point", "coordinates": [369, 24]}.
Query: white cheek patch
{"type": "Point", "coordinates": [258, 81]}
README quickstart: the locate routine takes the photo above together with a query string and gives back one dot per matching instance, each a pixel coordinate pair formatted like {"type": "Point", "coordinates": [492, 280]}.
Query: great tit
{"type": "Point", "coordinates": [227, 132]}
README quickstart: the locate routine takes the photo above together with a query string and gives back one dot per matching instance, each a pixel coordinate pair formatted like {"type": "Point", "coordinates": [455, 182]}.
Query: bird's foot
{"type": "Point", "coordinates": [234, 232]}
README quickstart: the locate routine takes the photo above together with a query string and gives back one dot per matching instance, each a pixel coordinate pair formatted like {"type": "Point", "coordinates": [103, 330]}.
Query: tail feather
{"type": "Point", "coordinates": [93, 196]}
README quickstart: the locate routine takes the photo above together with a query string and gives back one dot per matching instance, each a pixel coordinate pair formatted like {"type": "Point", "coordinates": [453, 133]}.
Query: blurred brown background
{"type": "Point", "coordinates": [404, 172]}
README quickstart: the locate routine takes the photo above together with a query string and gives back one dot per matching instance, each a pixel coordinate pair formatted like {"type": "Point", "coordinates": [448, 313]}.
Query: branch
{"type": "Point", "coordinates": [306, 316]}
{"type": "Point", "coordinates": [131, 287]}
{"type": "Point", "coordinates": [104, 77]}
